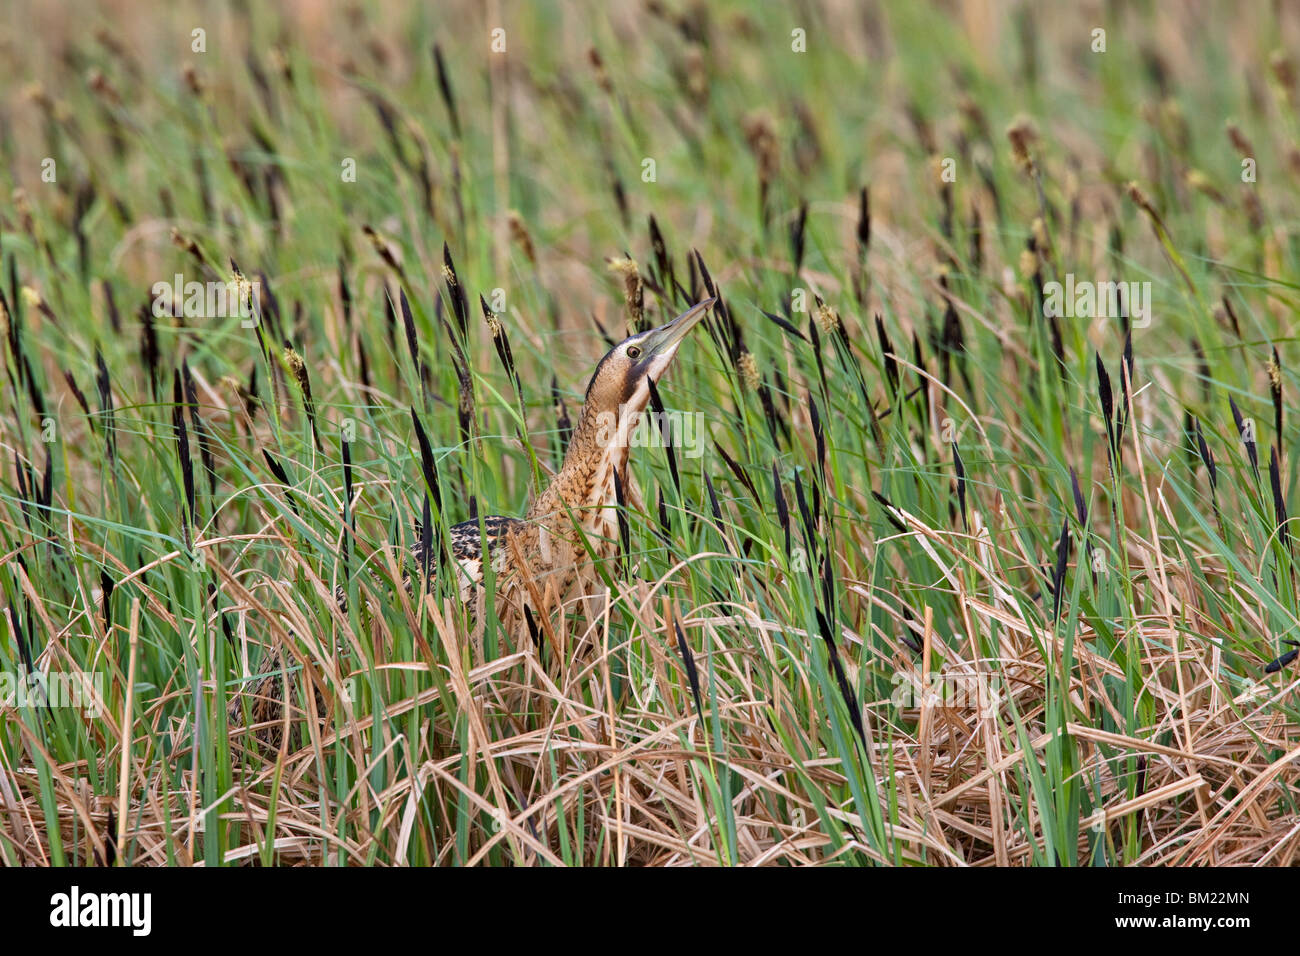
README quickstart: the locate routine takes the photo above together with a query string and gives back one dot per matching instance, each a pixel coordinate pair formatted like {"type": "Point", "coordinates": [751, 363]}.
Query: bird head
{"type": "Point", "coordinates": [620, 388]}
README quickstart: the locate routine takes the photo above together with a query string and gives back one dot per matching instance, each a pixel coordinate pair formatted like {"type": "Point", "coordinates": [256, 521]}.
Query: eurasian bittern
{"type": "Point", "coordinates": [576, 516]}
{"type": "Point", "coordinates": [571, 524]}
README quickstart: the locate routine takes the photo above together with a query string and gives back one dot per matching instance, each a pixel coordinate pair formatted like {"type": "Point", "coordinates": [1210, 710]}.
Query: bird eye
{"type": "Point", "coordinates": [633, 352]}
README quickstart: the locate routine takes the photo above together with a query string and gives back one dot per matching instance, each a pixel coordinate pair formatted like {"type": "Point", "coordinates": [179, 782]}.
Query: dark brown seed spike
{"type": "Point", "coordinates": [688, 661]}
{"type": "Point", "coordinates": [1080, 507]}
{"type": "Point", "coordinates": [784, 325]}
{"type": "Point", "coordinates": [1250, 441]}
{"type": "Point", "coordinates": [444, 87]}
{"type": "Point", "coordinates": [1275, 391]}
{"type": "Point", "coordinates": [1058, 574]}
{"type": "Point", "coordinates": [1279, 499]}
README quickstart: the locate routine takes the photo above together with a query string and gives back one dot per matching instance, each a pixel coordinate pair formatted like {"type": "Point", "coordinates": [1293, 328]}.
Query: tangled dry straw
{"type": "Point", "coordinates": [548, 739]}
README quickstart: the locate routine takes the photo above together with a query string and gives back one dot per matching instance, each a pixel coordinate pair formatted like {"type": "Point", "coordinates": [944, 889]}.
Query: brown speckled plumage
{"type": "Point", "coordinates": [266, 712]}
{"type": "Point", "coordinates": [546, 558]}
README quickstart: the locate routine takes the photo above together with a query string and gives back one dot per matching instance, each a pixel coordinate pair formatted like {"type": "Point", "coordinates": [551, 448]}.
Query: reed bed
{"type": "Point", "coordinates": [951, 576]}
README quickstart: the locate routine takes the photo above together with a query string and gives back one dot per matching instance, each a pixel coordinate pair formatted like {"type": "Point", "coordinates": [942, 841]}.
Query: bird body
{"type": "Point", "coordinates": [540, 560]}
{"type": "Point", "coordinates": [573, 522]}
{"type": "Point", "coordinates": [467, 549]}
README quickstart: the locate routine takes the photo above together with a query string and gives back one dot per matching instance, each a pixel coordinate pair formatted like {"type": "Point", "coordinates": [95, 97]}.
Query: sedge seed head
{"type": "Point", "coordinates": [1022, 136]}
{"type": "Point", "coordinates": [1039, 229]}
{"type": "Point", "coordinates": [1028, 263]}
{"type": "Point", "coordinates": [749, 373]}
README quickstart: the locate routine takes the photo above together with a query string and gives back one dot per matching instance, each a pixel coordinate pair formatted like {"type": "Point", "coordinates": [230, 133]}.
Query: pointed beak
{"type": "Point", "coordinates": [661, 344]}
